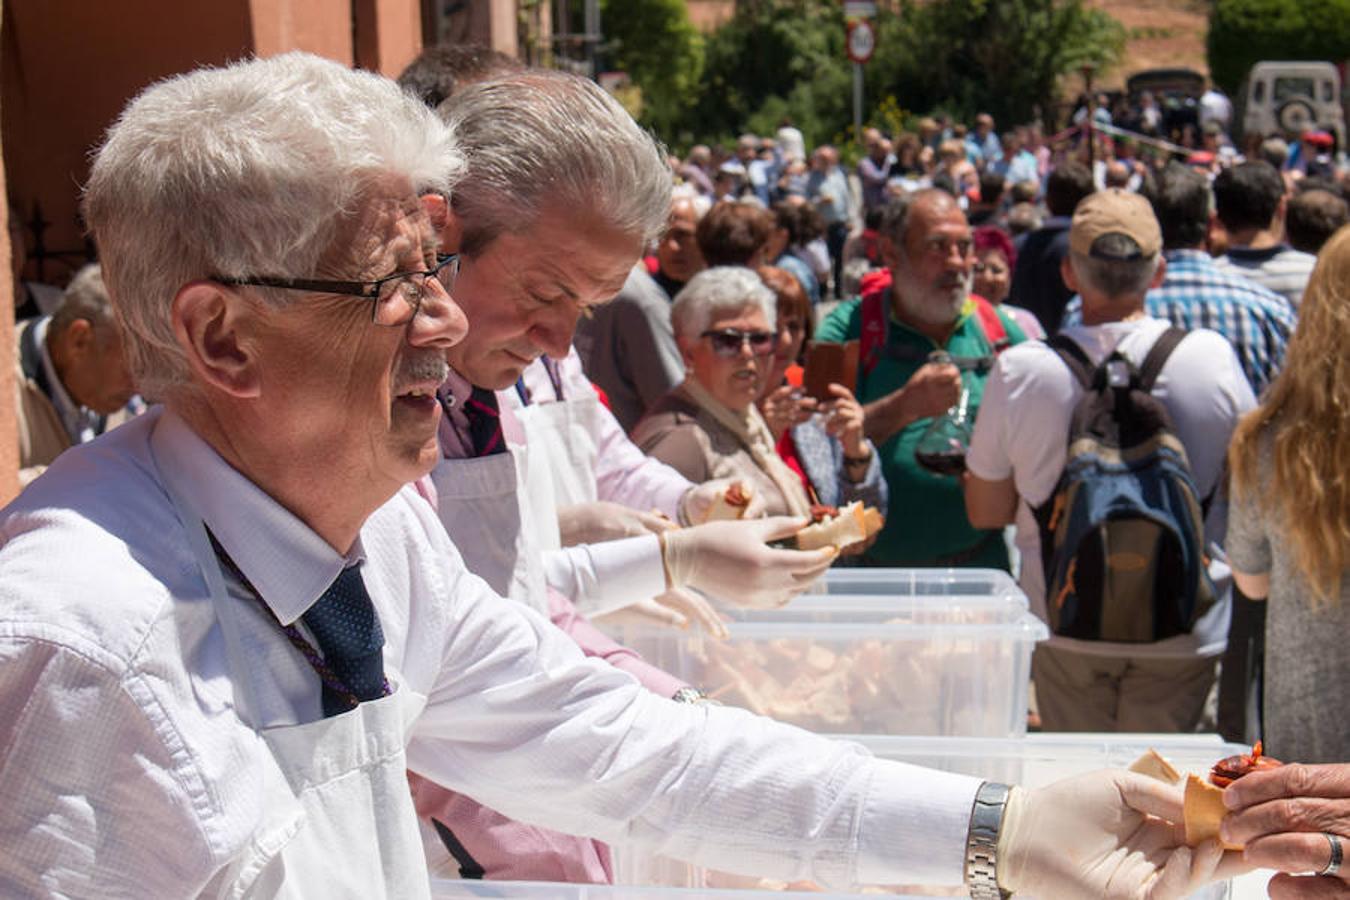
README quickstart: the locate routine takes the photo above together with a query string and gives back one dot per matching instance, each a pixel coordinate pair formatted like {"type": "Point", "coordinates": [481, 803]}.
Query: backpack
{"type": "Point", "coordinates": [1122, 536]}
{"type": "Point", "coordinates": [872, 338]}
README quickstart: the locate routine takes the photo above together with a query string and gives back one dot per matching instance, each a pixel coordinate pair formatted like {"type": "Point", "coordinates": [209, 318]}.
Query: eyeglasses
{"type": "Point", "coordinates": [397, 297]}
{"type": "Point", "coordinates": [992, 268]}
{"type": "Point", "coordinates": [728, 341]}
{"type": "Point", "coordinates": [941, 246]}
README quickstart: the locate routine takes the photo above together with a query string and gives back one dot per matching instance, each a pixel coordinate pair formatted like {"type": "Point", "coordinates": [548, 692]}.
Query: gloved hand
{"type": "Point", "coordinates": [677, 607]}
{"type": "Point", "coordinates": [1109, 834]}
{"type": "Point", "coordinates": [732, 561]}
{"type": "Point", "coordinates": [694, 609]}
{"type": "Point", "coordinates": [696, 502]}
{"type": "Point", "coordinates": [600, 521]}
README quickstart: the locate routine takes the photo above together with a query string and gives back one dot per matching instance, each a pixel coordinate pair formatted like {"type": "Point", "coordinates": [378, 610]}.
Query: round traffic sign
{"type": "Point", "coordinates": [862, 40]}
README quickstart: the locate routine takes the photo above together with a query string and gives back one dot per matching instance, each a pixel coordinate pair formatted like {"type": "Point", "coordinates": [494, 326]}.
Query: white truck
{"type": "Point", "coordinates": [1289, 97]}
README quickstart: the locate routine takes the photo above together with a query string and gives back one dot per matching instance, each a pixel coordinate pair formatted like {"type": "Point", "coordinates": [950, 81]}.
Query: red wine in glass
{"type": "Point", "coordinates": [944, 462]}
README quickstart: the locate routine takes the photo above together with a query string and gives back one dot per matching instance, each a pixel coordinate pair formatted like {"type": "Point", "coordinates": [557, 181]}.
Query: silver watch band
{"type": "Point", "coordinates": [986, 819]}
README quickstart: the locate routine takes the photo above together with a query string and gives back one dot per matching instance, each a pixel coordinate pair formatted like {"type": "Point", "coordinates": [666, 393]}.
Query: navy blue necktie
{"type": "Point", "coordinates": [347, 630]}
{"type": "Point", "coordinates": [485, 423]}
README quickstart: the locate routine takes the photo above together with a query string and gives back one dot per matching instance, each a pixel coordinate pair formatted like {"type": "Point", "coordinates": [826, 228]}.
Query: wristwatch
{"type": "Point", "coordinates": [986, 819]}
{"type": "Point", "coordinates": [688, 694]}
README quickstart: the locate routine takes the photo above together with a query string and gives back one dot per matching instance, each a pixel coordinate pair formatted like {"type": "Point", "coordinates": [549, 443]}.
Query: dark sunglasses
{"type": "Point", "coordinates": [728, 341]}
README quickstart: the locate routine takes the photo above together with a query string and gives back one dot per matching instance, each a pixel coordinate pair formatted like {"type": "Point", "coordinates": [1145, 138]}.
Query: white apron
{"type": "Point", "coordinates": [499, 512]}
{"type": "Point", "coordinates": [338, 819]}
{"type": "Point", "coordinates": [563, 433]}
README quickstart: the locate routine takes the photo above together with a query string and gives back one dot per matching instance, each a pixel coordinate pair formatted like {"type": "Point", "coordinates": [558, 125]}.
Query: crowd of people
{"type": "Point", "coordinates": [442, 375]}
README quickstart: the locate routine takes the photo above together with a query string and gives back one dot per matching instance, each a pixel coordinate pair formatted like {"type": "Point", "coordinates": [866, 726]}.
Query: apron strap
{"type": "Point", "coordinates": [468, 866]}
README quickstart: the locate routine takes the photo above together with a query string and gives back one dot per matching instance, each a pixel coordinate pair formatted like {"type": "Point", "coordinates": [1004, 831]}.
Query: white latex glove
{"type": "Point", "coordinates": [1109, 834]}
{"type": "Point", "coordinates": [695, 609]}
{"type": "Point", "coordinates": [696, 502]}
{"type": "Point", "coordinates": [600, 521]}
{"type": "Point", "coordinates": [731, 561]}
{"type": "Point", "coordinates": [645, 612]}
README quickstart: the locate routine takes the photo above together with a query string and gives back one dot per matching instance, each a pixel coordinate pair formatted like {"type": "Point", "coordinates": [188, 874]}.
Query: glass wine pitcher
{"type": "Point", "coordinates": [942, 448]}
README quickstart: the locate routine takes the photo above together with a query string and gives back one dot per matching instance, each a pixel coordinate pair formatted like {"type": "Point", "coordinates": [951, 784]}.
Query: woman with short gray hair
{"type": "Point", "coordinates": [709, 427]}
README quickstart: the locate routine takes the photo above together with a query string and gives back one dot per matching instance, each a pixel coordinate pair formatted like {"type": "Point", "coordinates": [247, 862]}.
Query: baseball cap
{"type": "Point", "coordinates": [1114, 211]}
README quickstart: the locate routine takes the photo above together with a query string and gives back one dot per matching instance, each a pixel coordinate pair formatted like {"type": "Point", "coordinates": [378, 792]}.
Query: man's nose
{"type": "Point", "coordinates": [439, 321]}
{"type": "Point", "coordinates": [553, 333]}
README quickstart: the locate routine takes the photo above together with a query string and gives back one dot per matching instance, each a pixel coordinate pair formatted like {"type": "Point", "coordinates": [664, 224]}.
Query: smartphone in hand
{"type": "Point", "coordinates": [830, 363]}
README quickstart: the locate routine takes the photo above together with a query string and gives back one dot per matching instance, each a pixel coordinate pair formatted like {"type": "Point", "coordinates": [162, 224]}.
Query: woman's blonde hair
{"type": "Point", "coordinates": [1307, 415]}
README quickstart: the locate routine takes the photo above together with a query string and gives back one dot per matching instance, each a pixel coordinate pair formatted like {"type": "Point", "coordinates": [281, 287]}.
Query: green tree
{"type": "Point", "coordinates": [1005, 57]}
{"type": "Point", "coordinates": [778, 58]}
{"type": "Point", "coordinates": [655, 43]}
{"type": "Point", "coordinates": [774, 58]}
{"type": "Point", "coordinates": [1243, 32]}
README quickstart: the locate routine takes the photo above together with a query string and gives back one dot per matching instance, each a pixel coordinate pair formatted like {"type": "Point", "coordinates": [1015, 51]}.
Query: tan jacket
{"type": "Point", "coordinates": [689, 439]}
{"type": "Point", "coordinates": [42, 436]}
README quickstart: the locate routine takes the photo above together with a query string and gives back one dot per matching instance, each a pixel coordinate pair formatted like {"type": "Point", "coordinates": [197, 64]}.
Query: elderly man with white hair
{"type": "Point", "coordinates": [229, 627]}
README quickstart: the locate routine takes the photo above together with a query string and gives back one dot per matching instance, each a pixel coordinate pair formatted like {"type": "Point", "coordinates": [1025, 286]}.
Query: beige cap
{"type": "Point", "coordinates": [1114, 211]}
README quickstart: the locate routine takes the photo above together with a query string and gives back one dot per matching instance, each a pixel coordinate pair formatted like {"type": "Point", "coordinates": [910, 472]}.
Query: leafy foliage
{"type": "Point", "coordinates": [778, 58]}
{"type": "Point", "coordinates": [1004, 57]}
{"type": "Point", "coordinates": [1243, 32]}
{"type": "Point", "coordinates": [654, 41]}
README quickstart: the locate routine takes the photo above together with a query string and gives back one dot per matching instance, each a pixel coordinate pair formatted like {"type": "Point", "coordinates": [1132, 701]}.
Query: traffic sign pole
{"type": "Point", "coordinates": [861, 42]}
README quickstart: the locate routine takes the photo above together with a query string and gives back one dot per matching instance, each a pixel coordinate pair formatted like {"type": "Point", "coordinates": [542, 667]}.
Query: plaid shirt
{"type": "Point", "coordinates": [1195, 294]}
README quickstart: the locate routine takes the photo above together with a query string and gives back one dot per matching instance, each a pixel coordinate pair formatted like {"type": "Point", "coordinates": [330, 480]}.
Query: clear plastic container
{"type": "Point", "coordinates": [1031, 761]}
{"type": "Point", "coordinates": [936, 664]}
{"type": "Point", "coordinates": [918, 583]}
{"type": "Point", "coordinates": [534, 890]}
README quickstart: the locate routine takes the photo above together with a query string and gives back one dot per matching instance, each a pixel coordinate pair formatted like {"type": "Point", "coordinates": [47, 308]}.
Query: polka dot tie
{"type": "Point", "coordinates": [345, 626]}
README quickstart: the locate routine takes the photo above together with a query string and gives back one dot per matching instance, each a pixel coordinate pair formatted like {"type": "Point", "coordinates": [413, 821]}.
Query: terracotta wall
{"type": "Point", "coordinates": [70, 65]}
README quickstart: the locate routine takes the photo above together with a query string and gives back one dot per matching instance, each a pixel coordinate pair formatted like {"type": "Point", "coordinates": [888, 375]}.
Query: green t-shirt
{"type": "Point", "coordinates": [926, 524]}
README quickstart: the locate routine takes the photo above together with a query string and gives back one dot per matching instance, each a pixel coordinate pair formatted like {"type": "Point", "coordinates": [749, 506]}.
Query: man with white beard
{"type": "Point", "coordinates": [925, 338]}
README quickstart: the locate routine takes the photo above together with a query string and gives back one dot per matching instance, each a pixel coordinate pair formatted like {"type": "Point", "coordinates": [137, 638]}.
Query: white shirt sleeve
{"type": "Point", "coordinates": [987, 457]}
{"type": "Point", "coordinates": [1023, 422]}
{"type": "Point", "coordinates": [123, 780]}
{"type": "Point", "coordinates": [623, 473]}
{"type": "Point", "coordinates": [601, 578]}
{"type": "Point", "coordinates": [532, 729]}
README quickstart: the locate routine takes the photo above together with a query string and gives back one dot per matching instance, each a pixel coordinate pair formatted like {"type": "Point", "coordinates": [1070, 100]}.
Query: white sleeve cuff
{"type": "Point", "coordinates": [615, 574]}
{"type": "Point", "coordinates": [914, 826]}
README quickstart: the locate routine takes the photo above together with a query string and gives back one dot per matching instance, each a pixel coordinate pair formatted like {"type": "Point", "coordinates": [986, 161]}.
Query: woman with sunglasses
{"type": "Point", "coordinates": [824, 443]}
{"type": "Point", "coordinates": [708, 427]}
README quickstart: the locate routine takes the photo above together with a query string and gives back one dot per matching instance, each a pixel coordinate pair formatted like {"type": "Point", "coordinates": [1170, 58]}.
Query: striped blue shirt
{"type": "Point", "coordinates": [1195, 294]}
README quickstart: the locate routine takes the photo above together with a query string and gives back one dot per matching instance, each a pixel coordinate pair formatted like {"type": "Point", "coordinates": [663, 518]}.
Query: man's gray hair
{"type": "Point", "coordinates": [895, 214]}
{"type": "Point", "coordinates": [542, 139]}
{"type": "Point", "coordinates": [86, 297]}
{"type": "Point", "coordinates": [248, 170]}
{"type": "Point", "coordinates": [1115, 270]}
{"type": "Point", "coordinates": [721, 290]}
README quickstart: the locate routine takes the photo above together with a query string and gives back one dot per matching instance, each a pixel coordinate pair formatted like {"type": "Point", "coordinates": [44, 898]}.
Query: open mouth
{"type": "Point", "coordinates": [420, 399]}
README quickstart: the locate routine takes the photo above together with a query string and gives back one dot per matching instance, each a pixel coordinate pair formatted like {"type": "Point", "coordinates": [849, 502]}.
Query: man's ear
{"type": "Point", "coordinates": [1066, 272]}
{"type": "Point", "coordinates": [447, 224]}
{"type": "Point", "coordinates": [78, 336]}
{"type": "Point", "coordinates": [1160, 274]}
{"type": "Point", "coordinates": [890, 253]}
{"type": "Point", "coordinates": [214, 325]}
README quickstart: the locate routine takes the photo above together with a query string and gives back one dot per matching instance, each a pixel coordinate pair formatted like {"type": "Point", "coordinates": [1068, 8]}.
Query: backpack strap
{"type": "Point", "coordinates": [872, 337]}
{"type": "Point", "coordinates": [1157, 357]}
{"type": "Point", "coordinates": [1078, 362]}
